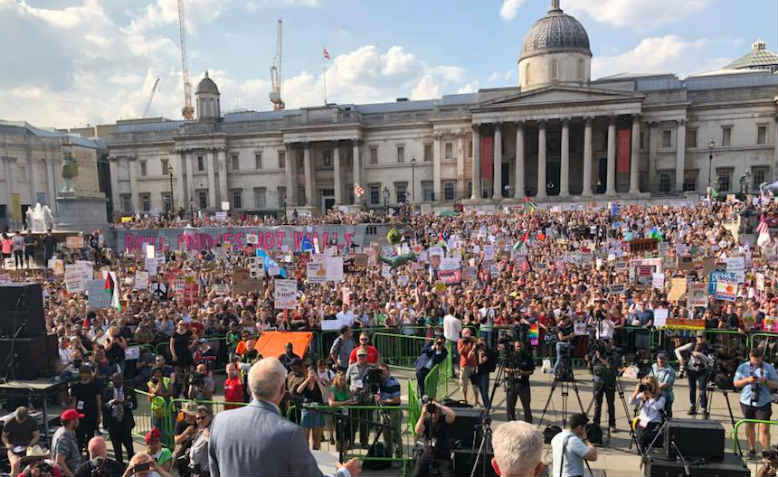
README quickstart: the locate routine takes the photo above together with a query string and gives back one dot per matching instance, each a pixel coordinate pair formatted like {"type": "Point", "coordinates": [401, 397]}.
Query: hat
{"type": "Point", "coordinates": [361, 352]}
{"type": "Point", "coordinates": [34, 454]}
{"type": "Point", "coordinates": [152, 435]}
{"type": "Point", "coordinates": [70, 415]}
{"type": "Point", "coordinates": [189, 408]}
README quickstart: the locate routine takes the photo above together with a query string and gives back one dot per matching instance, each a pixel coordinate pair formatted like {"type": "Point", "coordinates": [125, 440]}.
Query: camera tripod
{"type": "Point", "coordinates": [485, 427]}
{"type": "Point", "coordinates": [565, 392]}
{"type": "Point", "coordinates": [712, 388]}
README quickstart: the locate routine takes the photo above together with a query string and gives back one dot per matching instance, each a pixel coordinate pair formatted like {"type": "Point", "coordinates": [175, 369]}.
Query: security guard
{"type": "Point", "coordinates": [518, 368]}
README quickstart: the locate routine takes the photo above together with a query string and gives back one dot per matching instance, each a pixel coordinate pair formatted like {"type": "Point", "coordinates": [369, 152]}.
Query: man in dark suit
{"type": "Point", "coordinates": [431, 354]}
{"type": "Point", "coordinates": [257, 440]}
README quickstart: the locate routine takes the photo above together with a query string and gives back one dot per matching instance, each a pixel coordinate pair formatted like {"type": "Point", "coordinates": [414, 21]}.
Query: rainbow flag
{"type": "Point", "coordinates": [534, 334]}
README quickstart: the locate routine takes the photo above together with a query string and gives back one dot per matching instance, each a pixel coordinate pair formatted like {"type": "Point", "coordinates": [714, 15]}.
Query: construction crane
{"type": "Point", "coordinates": [275, 73]}
{"type": "Point", "coordinates": [188, 110]}
{"type": "Point", "coordinates": [151, 98]}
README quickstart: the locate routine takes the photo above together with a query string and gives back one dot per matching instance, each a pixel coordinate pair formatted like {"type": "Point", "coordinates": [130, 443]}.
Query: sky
{"type": "Point", "coordinates": [69, 63]}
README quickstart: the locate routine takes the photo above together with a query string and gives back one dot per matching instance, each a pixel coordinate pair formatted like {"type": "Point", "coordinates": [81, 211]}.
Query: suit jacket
{"type": "Point", "coordinates": [426, 353]}
{"type": "Point", "coordinates": [256, 441]}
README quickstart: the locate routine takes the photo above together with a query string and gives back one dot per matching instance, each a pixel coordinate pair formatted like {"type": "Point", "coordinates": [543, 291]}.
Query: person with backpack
{"type": "Point", "coordinates": [570, 449]}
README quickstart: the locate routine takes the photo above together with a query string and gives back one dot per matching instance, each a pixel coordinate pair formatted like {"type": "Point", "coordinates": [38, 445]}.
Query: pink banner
{"type": "Point", "coordinates": [623, 139]}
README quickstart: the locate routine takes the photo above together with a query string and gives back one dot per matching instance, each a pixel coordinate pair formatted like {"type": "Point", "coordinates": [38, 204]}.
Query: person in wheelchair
{"type": "Point", "coordinates": [652, 403]}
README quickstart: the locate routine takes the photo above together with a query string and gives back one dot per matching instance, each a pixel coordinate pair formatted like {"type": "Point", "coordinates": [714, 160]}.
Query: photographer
{"type": "Point", "coordinates": [431, 354]}
{"type": "Point", "coordinates": [519, 366]}
{"type": "Point", "coordinates": [565, 334]}
{"type": "Point", "coordinates": [486, 360]}
{"type": "Point", "coordinates": [569, 449]}
{"type": "Point", "coordinates": [313, 392]}
{"type": "Point", "coordinates": [756, 379]}
{"type": "Point", "coordinates": [606, 365]}
{"type": "Point", "coordinates": [142, 465]}
{"type": "Point", "coordinates": [694, 358]}
{"type": "Point", "coordinates": [357, 378]}
{"type": "Point", "coordinates": [201, 384]}
{"type": "Point", "coordinates": [119, 421]}
{"type": "Point", "coordinates": [433, 425]}
{"type": "Point", "coordinates": [653, 404]}
{"type": "Point", "coordinates": [99, 465]}
{"type": "Point", "coordinates": [665, 377]}
{"type": "Point", "coordinates": [389, 397]}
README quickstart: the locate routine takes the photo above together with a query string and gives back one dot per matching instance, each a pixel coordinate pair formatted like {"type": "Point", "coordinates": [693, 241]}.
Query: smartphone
{"type": "Point", "coordinates": [142, 467]}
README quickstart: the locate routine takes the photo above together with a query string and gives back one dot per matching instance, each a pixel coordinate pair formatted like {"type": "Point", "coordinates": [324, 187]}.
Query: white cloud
{"type": "Point", "coordinates": [164, 12]}
{"type": "Point", "coordinates": [666, 54]}
{"type": "Point", "coordinates": [509, 9]}
{"type": "Point", "coordinates": [471, 87]}
{"type": "Point", "coordinates": [254, 5]}
{"type": "Point", "coordinates": [640, 14]}
{"type": "Point", "coordinates": [505, 77]}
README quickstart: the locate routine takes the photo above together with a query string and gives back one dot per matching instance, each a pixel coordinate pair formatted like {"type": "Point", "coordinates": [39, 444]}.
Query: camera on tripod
{"type": "Point", "coordinates": [373, 380]}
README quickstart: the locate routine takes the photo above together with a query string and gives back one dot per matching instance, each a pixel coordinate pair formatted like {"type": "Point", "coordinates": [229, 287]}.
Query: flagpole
{"type": "Point", "coordinates": [324, 77]}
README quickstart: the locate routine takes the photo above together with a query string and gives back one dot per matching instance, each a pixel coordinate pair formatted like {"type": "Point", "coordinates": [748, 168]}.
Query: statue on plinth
{"type": "Point", "coordinates": [69, 172]}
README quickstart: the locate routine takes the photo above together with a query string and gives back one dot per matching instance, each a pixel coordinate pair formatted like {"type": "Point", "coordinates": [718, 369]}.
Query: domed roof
{"type": "Point", "coordinates": [556, 32]}
{"type": "Point", "coordinates": [207, 86]}
{"type": "Point", "coordinates": [759, 58]}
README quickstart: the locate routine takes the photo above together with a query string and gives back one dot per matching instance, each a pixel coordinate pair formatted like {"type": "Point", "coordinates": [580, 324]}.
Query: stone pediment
{"type": "Point", "coordinates": [558, 96]}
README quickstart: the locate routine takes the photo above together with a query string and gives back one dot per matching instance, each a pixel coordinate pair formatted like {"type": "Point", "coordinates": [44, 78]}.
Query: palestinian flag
{"type": "Point", "coordinates": [522, 242]}
{"type": "Point", "coordinates": [112, 289]}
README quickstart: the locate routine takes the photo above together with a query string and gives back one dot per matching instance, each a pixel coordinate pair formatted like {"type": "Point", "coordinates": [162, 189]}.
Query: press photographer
{"type": "Point", "coordinates": [569, 449]}
{"type": "Point", "coordinates": [201, 384]}
{"type": "Point", "coordinates": [756, 379]}
{"type": "Point", "coordinates": [99, 465]}
{"type": "Point", "coordinates": [434, 456]}
{"type": "Point", "coordinates": [519, 365]}
{"type": "Point", "coordinates": [606, 365]}
{"type": "Point", "coordinates": [665, 377]}
{"type": "Point", "coordinates": [389, 397]}
{"type": "Point", "coordinates": [695, 358]}
{"type": "Point", "coordinates": [652, 404]}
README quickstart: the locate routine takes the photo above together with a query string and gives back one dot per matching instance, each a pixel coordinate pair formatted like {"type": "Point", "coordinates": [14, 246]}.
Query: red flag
{"type": "Point", "coordinates": [623, 139]}
{"type": "Point", "coordinates": [487, 156]}
{"type": "Point", "coordinates": [327, 54]}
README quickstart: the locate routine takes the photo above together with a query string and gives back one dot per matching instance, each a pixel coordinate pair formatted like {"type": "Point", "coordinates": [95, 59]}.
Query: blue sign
{"type": "Point", "coordinates": [714, 280]}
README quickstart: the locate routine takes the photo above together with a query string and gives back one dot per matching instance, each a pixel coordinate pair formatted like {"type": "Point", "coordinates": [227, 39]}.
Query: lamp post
{"type": "Point", "coordinates": [170, 204]}
{"type": "Point", "coordinates": [413, 180]}
{"type": "Point", "coordinates": [711, 146]}
{"type": "Point", "coordinates": [386, 200]}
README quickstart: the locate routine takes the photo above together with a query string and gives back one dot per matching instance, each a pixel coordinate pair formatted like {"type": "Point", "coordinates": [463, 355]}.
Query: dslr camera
{"type": "Point", "coordinates": [429, 406]}
{"type": "Point", "coordinates": [642, 387]}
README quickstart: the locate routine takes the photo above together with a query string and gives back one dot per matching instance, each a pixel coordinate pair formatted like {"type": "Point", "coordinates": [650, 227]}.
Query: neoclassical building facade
{"type": "Point", "coordinates": [557, 136]}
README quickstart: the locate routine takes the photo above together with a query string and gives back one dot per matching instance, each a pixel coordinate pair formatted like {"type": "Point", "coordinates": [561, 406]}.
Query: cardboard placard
{"type": "Point", "coordinates": [74, 242]}
{"type": "Point", "coordinates": [285, 294]}
{"type": "Point", "coordinates": [677, 289]}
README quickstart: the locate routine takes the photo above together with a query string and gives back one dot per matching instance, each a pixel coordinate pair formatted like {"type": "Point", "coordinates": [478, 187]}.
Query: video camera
{"type": "Point", "coordinates": [373, 380]}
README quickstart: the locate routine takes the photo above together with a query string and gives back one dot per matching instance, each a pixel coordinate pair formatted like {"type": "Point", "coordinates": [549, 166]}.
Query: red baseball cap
{"type": "Point", "coordinates": [152, 435]}
{"type": "Point", "coordinates": [70, 415]}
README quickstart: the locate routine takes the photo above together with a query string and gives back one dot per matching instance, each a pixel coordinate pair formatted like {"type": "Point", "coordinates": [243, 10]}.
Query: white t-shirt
{"type": "Point", "coordinates": [452, 327]}
{"type": "Point", "coordinates": [574, 452]}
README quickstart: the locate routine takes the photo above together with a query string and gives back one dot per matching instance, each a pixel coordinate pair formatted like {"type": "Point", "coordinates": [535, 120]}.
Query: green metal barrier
{"type": "Point", "coordinates": [399, 350]}
{"type": "Point", "coordinates": [736, 440]}
{"type": "Point", "coordinates": [159, 415]}
{"type": "Point", "coordinates": [764, 340]}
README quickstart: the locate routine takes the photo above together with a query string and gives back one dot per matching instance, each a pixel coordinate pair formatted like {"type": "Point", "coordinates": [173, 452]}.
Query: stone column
{"type": "Point", "coordinates": [289, 172]}
{"type": "Point", "coordinates": [652, 145]}
{"type": "Point", "coordinates": [541, 160]}
{"type": "Point", "coordinates": [460, 187]}
{"type": "Point", "coordinates": [32, 166]}
{"type": "Point", "coordinates": [308, 175]}
{"type": "Point", "coordinates": [52, 186]}
{"type": "Point", "coordinates": [190, 159]}
{"type": "Point", "coordinates": [497, 163]}
{"type": "Point", "coordinates": [520, 162]}
{"type": "Point", "coordinates": [587, 162]}
{"type": "Point", "coordinates": [437, 154]}
{"type": "Point", "coordinates": [634, 160]}
{"type": "Point", "coordinates": [610, 187]}
{"type": "Point", "coordinates": [224, 192]}
{"type": "Point", "coordinates": [210, 163]}
{"type": "Point", "coordinates": [680, 154]}
{"type": "Point", "coordinates": [132, 165]}
{"type": "Point", "coordinates": [338, 172]}
{"type": "Point", "coordinates": [113, 164]}
{"type": "Point", "coordinates": [476, 177]}
{"type": "Point", "coordinates": [564, 170]}
{"type": "Point", "coordinates": [357, 169]}
{"type": "Point", "coordinates": [180, 187]}
{"type": "Point", "coordinates": [8, 167]}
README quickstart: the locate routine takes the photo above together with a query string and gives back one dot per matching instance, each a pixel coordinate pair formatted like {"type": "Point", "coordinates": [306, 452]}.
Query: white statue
{"type": "Point", "coordinates": [39, 218]}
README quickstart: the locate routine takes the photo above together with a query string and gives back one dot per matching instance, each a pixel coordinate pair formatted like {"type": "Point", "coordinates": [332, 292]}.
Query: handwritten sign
{"type": "Point", "coordinates": [74, 242]}
{"type": "Point", "coordinates": [285, 294]}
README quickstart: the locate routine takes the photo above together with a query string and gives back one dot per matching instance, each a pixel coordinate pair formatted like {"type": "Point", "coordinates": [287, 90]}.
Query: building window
{"type": "Point", "coordinates": [126, 202]}
{"type": "Point", "coordinates": [326, 159]}
{"type": "Point", "coordinates": [235, 162]}
{"type": "Point", "coordinates": [260, 198]}
{"type": "Point", "coordinates": [145, 202]}
{"type": "Point", "coordinates": [581, 70]}
{"type": "Point", "coordinates": [300, 160]}
{"type": "Point", "coordinates": [165, 163]}
{"type": "Point", "coordinates": [665, 181]}
{"type": "Point", "coordinates": [281, 191]}
{"type": "Point", "coordinates": [427, 191]}
{"type": "Point", "coordinates": [448, 190]}
{"type": "Point", "coordinates": [691, 138]}
{"type": "Point", "coordinates": [427, 152]}
{"type": "Point", "coordinates": [167, 205]}
{"type": "Point", "coordinates": [200, 163]}
{"type": "Point", "coordinates": [258, 160]}
{"type": "Point", "coordinates": [401, 192]}
{"type": "Point", "coordinates": [449, 150]}
{"type": "Point", "coordinates": [375, 193]}
{"type": "Point", "coordinates": [690, 180]}
{"type": "Point", "coordinates": [759, 175]}
{"type": "Point", "coordinates": [237, 199]}
{"type": "Point", "coordinates": [554, 69]}
{"type": "Point", "coordinates": [725, 178]}
{"type": "Point", "coordinates": [400, 153]}
{"type": "Point", "coordinates": [373, 154]}
{"type": "Point", "coordinates": [667, 138]}
{"type": "Point", "coordinates": [202, 198]}
{"type": "Point", "coordinates": [282, 159]}
{"type": "Point", "coordinates": [761, 135]}
{"type": "Point", "coordinates": [726, 136]}
{"type": "Point", "coordinates": [642, 140]}
{"type": "Point", "coordinates": [301, 194]}
{"type": "Point", "coordinates": [143, 168]}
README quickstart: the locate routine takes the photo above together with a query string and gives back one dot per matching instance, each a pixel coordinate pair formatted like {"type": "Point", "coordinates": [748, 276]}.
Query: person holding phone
{"type": "Point", "coordinates": [143, 465]}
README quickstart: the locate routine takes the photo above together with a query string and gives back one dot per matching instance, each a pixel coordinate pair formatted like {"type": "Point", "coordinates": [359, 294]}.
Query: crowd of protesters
{"type": "Point", "coordinates": [541, 271]}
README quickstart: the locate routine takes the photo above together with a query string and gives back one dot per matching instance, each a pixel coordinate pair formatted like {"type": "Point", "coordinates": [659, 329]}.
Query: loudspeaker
{"type": "Point", "coordinates": [467, 421]}
{"type": "Point", "coordinates": [21, 305]}
{"type": "Point", "coordinates": [463, 463]}
{"type": "Point", "coordinates": [33, 357]}
{"type": "Point", "coordinates": [695, 439]}
{"type": "Point", "coordinates": [730, 466]}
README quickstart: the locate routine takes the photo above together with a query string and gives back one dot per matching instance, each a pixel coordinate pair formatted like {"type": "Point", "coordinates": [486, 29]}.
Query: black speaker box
{"type": "Point", "coordinates": [730, 466]}
{"type": "Point", "coordinates": [467, 421]}
{"type": "Point", "coordinates": [694, 439]}
{"type": "Point", "coordinates": [32, 357]}
{"type": "Point", "coordinates": [21, 306]}
{"type": "Point", "coordinates": [464, 459]}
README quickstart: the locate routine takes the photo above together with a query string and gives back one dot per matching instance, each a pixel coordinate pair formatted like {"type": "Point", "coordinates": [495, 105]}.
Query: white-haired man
{"type": "Point", "coordinates": [257, 440]}
{"type": "Point", "coordinates": [518, 448]}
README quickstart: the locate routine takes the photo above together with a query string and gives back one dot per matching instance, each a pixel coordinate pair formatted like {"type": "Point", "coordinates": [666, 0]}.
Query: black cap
{"type": "Point", "coordinates": [577, 420]}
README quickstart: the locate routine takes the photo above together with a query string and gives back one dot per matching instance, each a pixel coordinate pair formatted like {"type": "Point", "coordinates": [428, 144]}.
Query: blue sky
{"type": "Point", "coordinates": [94, 61]}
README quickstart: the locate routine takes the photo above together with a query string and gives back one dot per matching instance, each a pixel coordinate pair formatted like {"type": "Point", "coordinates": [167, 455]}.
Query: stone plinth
{"type": "Point", "coordinates": [80, 214]}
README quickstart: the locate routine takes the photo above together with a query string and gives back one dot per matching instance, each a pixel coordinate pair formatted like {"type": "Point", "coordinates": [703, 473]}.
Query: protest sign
{"type": "Point", "coordinates": [141, 280]}
{"type": "Point", "coordinates": [677, 289]}
{"type": "Point", "coordinates": [697, 295]}
{"type": "Point", "coordinates": [726, 289]}
{"type": "Point", "coordinates": [221, 289]}
{"type": "Point", "coordinates": [242, 282]}
{"type": "Point", "coordinates": [251, 239]}
{"type": "Point", "coordinates": [616, 289]}
{"type": "Point", "coordinates": [76, 277]}
{"type": "Point", "coordinates": [715, 277]}
{"type": "Point", "coordinates": [74, 242]}
{"type": "Point", "coordinates": [737, 265]}
{"type": "Point", "coordinates": [660, 317]}
{"type": "Point", "coordinates": [760, 281]}
{"type": "Point", "coordinates": [316, 270]}
{"type": "Point", "coordinates": [98, 297]}
{"type": "Point", "coordinates": [151, 266]}
{"type": "Point", "coordinates": [334, 265]}
{"type": "Point", "coordinates": [285, 294]}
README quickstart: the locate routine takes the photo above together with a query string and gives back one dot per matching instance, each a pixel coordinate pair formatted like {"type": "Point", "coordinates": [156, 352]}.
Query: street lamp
{"type": "Point", "coordinates": [711, 146]}
{"type": "Point", "coordinates": [386, 200]}
{"type": "Point", "coordinates": [413, 180]}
